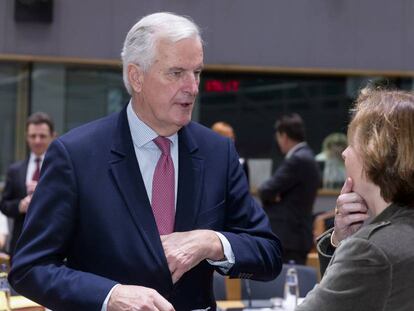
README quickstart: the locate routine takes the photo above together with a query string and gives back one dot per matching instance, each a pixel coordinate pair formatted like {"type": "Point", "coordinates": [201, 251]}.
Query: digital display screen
{"type": "Point", "coordinates": [219, 86]}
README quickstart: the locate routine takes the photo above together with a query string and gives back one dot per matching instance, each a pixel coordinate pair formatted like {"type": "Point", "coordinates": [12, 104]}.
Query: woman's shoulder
{"type": "Point", "coordinates": [394, 218]}
{"type": "Point", "coordinates": [368, 231]}
{"type": "Point", "coordinates": [392, 236]}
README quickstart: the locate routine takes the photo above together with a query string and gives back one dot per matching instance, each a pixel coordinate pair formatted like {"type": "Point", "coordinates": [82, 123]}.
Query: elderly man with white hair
{"type": "Point", "coordinates": [135, 211]}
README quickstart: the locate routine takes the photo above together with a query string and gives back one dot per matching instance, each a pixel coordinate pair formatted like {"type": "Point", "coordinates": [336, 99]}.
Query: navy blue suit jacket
{"type": "Point", "coordinates": [90, 223]}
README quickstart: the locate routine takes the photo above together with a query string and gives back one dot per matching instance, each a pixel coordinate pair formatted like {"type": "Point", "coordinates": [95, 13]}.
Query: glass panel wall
{"type": "Point", "coordinates": [76, 94]}
{"type": "Point", "coordinates": [251, 103]}
{"type": "Point", "coordinates": [9, 82]}
{"type": "Point", "coordinates": [91, 94]}
{"type": "Point", "coordinates": [48, 92]}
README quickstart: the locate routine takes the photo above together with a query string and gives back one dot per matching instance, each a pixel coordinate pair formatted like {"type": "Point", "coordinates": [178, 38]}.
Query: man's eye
{"type": "Point", "coordinates": [176, 73]}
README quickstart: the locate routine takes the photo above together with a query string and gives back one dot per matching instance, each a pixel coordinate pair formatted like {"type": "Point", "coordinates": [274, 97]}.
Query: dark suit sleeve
{"type": "Point", "coordinates": [358, 279]}
{"type": "Point", "coordinates": [284, 178]}
{"type": "Point", "coordinates": [38, 268]}
{"type": "Point", "coordinates": [256, 249]}
{"type": "Point", "coordinates": [11, 197]}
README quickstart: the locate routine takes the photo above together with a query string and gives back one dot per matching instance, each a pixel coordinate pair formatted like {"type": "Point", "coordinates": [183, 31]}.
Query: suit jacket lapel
{"type": "Point", "coordinates": [22, 175]}
{"type": "Point", "coordinates": [190, 177]}
{"type": "Point", "coordinates": [127, 175]}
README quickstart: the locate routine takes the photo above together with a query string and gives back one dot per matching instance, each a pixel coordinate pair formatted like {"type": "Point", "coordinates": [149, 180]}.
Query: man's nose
{"type": "Point", "coordinates": [191, 84]}
{"type": "Point", "coordinates": [38, 139]}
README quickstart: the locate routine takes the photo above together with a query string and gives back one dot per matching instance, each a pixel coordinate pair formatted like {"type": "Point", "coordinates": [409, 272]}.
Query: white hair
{"type": "Point", "coordinates": [140, 42]}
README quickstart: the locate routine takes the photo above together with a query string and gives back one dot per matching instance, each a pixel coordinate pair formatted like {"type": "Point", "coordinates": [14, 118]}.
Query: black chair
{"type": "Point", "coordinates": [307, 277]}
{"type": "Point", "coordinates": [219, 286]}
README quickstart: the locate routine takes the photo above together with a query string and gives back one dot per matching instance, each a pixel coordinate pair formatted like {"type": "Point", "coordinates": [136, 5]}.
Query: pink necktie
{"type": "Point", "coordinates": [163, 190]}
{"type": "Point", "coordinates": [36, 174]}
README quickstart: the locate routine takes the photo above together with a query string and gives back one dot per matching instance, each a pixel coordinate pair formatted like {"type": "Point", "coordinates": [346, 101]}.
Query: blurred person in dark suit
{"type": "Point", "coordinates": [22, 177]}
{"type": "Point", "coordinates": [226, 130]}
{"type": "Point", "coordinates": [139, 208]}
{"type": "Point", "coordinates": [289, 194]}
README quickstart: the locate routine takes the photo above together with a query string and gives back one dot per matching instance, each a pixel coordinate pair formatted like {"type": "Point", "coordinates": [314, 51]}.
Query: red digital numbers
{"type": "Point", "coordinates": [221, 86]}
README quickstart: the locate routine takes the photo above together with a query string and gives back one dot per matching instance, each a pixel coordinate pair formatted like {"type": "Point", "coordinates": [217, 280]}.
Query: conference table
{"type": "Point", "coordinates": [20, 303]}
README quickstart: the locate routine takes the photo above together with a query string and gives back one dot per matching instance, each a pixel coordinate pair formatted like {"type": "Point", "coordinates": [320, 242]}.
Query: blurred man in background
{"type": "Point", "coordinates": [22, 176]}
{"type": "Point", "coordinates": [289, 194]}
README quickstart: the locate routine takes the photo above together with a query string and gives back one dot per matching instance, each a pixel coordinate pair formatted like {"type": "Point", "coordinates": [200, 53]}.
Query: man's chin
{"type": "Point", "coordinates": [181, 125]}
{"type": "Point", "coordinates": [184, 121]}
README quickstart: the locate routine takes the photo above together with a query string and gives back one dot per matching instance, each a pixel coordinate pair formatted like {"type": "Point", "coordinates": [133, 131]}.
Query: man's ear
{"type": "Point", "coordinates": [135, 77]}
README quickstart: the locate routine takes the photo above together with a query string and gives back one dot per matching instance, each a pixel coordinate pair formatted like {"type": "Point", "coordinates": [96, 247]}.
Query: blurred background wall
{"type": "Point", "coordinates": [334, 34]}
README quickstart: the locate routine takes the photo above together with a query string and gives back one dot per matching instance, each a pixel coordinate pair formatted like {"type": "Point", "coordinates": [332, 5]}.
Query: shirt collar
{"type": "Point", "coordinates": [33, 157]}
{"type": "Point", "coordinates": [294, 148]}
{"type": "Point", "coordinates": [388, 212]}
{"type": "Point", "coordinates": [141, 133]}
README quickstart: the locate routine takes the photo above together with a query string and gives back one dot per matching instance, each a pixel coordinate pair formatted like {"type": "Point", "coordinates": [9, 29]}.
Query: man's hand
{"type": "Point", "coordinates": [350, 213]}
{"type": "Point", "coordinates": [185, 250]}
{"type": "Point", "coordinates": [137, 298]}
{"type": "Point", "coordinates": [24, 204]}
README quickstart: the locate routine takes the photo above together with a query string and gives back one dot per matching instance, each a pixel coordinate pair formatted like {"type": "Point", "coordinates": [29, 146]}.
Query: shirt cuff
{"type": "Point", "coordinates": [105, 303]}
{"type": "Point", "coordinates": [229, 260]}
{"type": "Point", "coordinates": [324, 246]}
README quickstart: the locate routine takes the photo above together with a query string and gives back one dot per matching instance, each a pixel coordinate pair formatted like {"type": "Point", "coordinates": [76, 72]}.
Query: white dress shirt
{"type": "Point", "coordinates": [4, 225]}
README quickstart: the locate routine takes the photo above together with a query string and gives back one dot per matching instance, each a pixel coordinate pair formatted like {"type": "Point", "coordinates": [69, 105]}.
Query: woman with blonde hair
{"type": "Point", "coordinates": [372, 267]}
